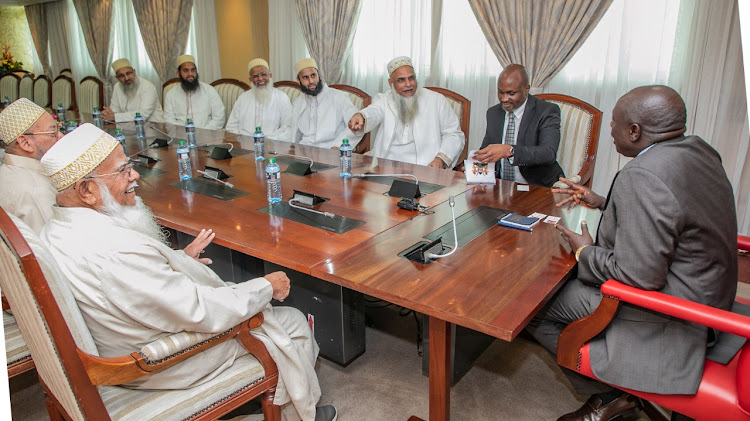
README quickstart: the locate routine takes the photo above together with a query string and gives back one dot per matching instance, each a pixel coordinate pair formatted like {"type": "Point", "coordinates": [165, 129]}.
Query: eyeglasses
{"type": "Point", "coordinates": [260, 75]}
{"type": "Point", "coordinates": [54, 132]}
{"type": "Point", "coordinates": [125, 170]}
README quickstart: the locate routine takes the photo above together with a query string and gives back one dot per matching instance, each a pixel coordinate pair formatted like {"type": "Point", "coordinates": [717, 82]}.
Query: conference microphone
{"type": "Point", "coordinates": [297, 168]}
{"type": "Point", "coordinates": [207, 175]}
{"type": "Point", "coordinates": [295, 200]}
{"type": "Point", "coordinates": [156, 141]}
{"type": "Point", "coordinates": [293, 156]}
{"type": "Point", "coordinates": [452, 204]}
{"type": "Point", "coordinates": [399, 188]}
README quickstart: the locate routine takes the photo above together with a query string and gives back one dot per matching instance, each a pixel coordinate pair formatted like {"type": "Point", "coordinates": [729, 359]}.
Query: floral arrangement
{"type": "Point", "coordinates": [9, 64]}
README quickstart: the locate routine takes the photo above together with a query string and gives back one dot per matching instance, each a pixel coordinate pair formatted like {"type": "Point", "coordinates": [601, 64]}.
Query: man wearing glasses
{"type": "Point", "coordinates": [131, 95]}
{"type": "Point", "coordinates": [27, 132]}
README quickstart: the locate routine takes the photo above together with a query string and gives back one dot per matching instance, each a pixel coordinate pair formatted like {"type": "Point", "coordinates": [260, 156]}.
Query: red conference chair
{"type": "Point", "coordinates": [724, 391]}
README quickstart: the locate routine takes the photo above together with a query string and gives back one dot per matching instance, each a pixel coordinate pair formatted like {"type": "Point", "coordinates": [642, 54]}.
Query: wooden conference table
{"type": "Point", "coordinates": [494, 284]}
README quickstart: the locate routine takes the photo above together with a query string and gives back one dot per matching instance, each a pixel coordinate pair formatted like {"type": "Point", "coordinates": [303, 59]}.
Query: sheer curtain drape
{"type": "Point", "coordinates": [329, 27]}
{"type": "Point", "coordinates": [285, 40]}
{"type": "Point", "coordinates": [541, 35]}
{"type": "Point", "coordinates": [203, 41]}
{"type": "Point", "coordinates": [164, 26]}
{"type": "Point", "coordinates": [36, 15]}
{"type": "Point", "coordinates": [95, 18]}
{"type": "Point", "coordinates": [128, 43]}
{"type": "Point", "coordinates": [57, 30]}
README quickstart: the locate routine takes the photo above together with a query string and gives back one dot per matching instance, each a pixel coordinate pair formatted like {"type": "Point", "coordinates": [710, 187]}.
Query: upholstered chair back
{"type": "Point", "coordinates": [229, 90]}
{"type": "Point", "coordinates": [26, 87]}
{"type": "Point", "coordinates": [63, 92]}
{"type": "Point", "coordinates": [42, 91]}
{"type": "Point", "coordinates": [9, 87]}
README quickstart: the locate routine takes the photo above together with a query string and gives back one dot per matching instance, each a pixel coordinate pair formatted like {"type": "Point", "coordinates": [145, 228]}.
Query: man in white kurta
{"type": "Point", "coordinates": [27, 131]}
{"type": "Point", "coordinates": [133, 289]}
{"type": "Point", "coordinates": [416, 125]}
{"type": "Point", "coordinates": [262, 106]}
{"type": "Point", "coordinates": [131, 95]}
{"type": "Point", "coordinates": [320, 115]}
{"type": "Point", "coordinates": [193, 99]}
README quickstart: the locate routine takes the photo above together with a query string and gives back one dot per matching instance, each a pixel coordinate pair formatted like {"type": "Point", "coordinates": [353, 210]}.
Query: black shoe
{"type": "Point", "coordinates": [594, 410]}
{"type": "Point", "coordinates": [326, 413]}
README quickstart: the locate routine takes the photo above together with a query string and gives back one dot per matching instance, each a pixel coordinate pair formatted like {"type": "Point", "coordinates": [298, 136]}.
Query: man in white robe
{"type": "Point", "coordinates": [27, 132]}
{"type": "Point", "coordinates": [131, 95]}
{"type": "Point", "coordinates": [133, 289]}
{"type": "Point", "coordinates": [416, 125]}
{"type": "Point", "coordinates": [262, 106]}
{"type": "Point", "coordinates": [320, 114]}
{"type": "Point", "coordinates": [193, 99]}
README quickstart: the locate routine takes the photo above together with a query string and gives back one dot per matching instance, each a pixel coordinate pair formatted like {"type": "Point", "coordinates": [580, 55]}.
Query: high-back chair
{"type": "Point", "coordinates": [229, 90]}
{"type": "Point", "coordinates": [462, 107]}
{"type": "Point", "coordinates": [9, 87]}
{"type": "Point", "coordinates": [91, 94]}
{"type": "Point", "coordinates": [81, 385]}
{"type": "Point", "coordinates": [171, 83]}
{"type": "Point", "coordinates": [67, 72]}
{"type": "Point", "coordinates": [26, 86]}
{"type": "Point", "coordinates": [42, 91]}
{"type": "Point", "coordinates": [289, 87]}
{"type": "Point", "coordinates": [360, 99]}
{"type": "Point", "coordinates": [64, 92]}
{"type": "Point", "coordinates": [21, 73]}
{"type": "Point", "coordinates": [17, 355]}
{"type": "Point", "coordinates": [724, 391]}
{"type": "Point", "coordinates": [580, 123]}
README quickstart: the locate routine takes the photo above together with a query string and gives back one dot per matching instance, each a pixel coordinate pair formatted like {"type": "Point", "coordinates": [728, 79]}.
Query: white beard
{"type": "Point", "coordinates": [131, 91]}
{"type": "Point", "coordinates": [263, 93]}
{"type": "Point", "coordinates": [407, 108]}
{"type": "Point", "coordinates": [138, 217]}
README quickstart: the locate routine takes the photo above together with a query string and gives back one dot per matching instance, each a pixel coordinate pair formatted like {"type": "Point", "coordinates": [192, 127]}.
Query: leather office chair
{"type": "Point", "coordinates": [289, 87]}
{"type": "Point", "coordinates": [724, 391]}
{"type": "Point", "coordinates": [42, 91]}
{"type": "Point", "coordinates": [360, 99]}
{"type": "Point", "coordinates": [229, 90]}
{"type": "Point", "coordinates": [9, 86]}
{"type": "Point", "coordinates": [81, 385]}
{"type": "Point", "coordinates": [64, 92]}
{"type": "Point", "coordinates": [171, 83]}
{"type": "Point", "coordinates": [26, 86]}
{"type": "Point", "coordinates": [580, 123]}
{"type": "Point", "coordinates": [462, 107]}
{"type": "Point", "coordinates": [91, 94]}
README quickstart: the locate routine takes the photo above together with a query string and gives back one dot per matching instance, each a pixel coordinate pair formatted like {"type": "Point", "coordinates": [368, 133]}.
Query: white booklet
{"type": "Point", "coordinates": [478, 172]}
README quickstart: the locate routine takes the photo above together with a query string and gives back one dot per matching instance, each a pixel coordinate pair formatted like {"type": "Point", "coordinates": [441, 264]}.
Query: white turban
{"type": "Point", "coordinates": [77, 154]}
{"type": "Point", "coordinates": [18, 117]}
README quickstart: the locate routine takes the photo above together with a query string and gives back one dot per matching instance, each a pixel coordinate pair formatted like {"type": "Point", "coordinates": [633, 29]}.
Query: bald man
{"type": "Point", "coordinates": [523, 132]}
{"type": "Point", "coordinates": [668, 225]}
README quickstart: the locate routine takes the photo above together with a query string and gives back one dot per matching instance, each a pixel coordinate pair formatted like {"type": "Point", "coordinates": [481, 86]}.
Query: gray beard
{"type": "Point", "coordinates": [138, 218]}
{"type": "Point", "coordinates": [131, 91]}
{"type": "Point", "coordinates": [263, 95]}
{"type": "Point", "coordinates": [407, 108]}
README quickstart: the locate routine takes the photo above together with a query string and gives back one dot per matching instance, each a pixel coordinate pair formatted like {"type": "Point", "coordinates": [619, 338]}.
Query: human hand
{"type": "Point", "coordinates": [493, 153]}
{"type": "Point", "coordinates": [579, 195]}
{"type": "Point", "coordinates": [357, 122]}
{"type": "Point", "coordinates": [576, 240]}
{"type": "Point", "coordinates": [108, 114]}
{"type": "Point", "coordinates": [194, 249]}
{"type": "Point", "coordinates": [280, 284]}
{"type": "Point", "coordinates": [437, 163]}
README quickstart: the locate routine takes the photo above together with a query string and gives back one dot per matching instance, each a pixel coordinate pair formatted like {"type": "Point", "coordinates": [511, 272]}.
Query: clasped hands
{"type": "Point", "coordinates": [577, 195]}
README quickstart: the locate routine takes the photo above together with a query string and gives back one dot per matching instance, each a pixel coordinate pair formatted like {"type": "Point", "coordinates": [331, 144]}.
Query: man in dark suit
{"type": "Point", "coordinates": [525, 146]}
{"type": "Point", "coordinates": [668, 225]}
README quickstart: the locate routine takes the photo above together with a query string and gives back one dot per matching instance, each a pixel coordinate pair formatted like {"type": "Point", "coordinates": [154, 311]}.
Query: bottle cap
{"type": "Point", "coordinates": [182, 143]}
{"type": "Point", "coordinates": [118, 131]}
{"type": "Point", "coordinates": [345, 141]}
{"type": "Point", "coordinates": [96, 108]}
{"type": "Point", "coordinates": [257, 128]}
{"type": "Point", "coordinates": [188, 120]}
{"type": "Point", "coordinates": [271, 160]}
{"type": "Point", "coordinates": [137, 114]}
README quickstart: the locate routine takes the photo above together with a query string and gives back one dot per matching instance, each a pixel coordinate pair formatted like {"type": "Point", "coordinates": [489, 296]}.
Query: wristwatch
{"type": "Point", "coordinates": [512, 151]}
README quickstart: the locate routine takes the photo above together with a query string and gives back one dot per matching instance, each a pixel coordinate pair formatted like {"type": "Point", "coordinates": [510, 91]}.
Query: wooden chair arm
{"type": "Point", "coordinates": [6, 305]}
{"type": "Point", "coordinates": [743, 243]}
{"type": "Point", "coordinates": [576, 334]}
{"type": "Point", "coordinates": [254, 346]}
{"type": "Point", "coordinates": [119, 370]}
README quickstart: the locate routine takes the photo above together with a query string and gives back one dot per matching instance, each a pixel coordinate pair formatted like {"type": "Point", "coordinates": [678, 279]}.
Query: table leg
{"type": "Point", "coordinates": [440, 364]}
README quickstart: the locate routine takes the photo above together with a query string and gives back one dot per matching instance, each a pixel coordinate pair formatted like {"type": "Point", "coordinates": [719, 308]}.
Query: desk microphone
{"type": "Point", "coordinates": [416, 181]}
{"type": "Point", "coordinates": [293, 156]}
{"type": "Point", "coordinates": [399, 188]}
{"type": "Point", "coordinates": [207, 175]}
{"type": "Point", "coordinates": [165, 134]}
{"type": "Point", "coordinates": [452, 204]}
{"type": "Point", "coordinates": [292, 204]}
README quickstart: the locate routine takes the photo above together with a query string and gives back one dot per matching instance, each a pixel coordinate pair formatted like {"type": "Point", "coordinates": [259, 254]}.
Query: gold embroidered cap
{"type": "Point", "coordinates": [119, 64]}
{"type": "Point", "coordinates": [18, 117]}
{"type": "Point", "coordinates": [398, 62]}
{"type": "Point", "coordinates": [77, 154]}
{"type": "Point", "coordinates": [257, 62]}
{"type": "Point", "coordinates": [185, 58]}
{"type": "Point", "coordinates": [304, 64]}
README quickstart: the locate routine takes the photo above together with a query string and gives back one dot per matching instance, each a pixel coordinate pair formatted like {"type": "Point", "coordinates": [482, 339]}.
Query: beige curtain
{"type": "Point", "coordinates": [541, 35]}
{"type": "Point", "coordinates": [164, 26]}
{"type": "Point", "coordinates": [328, 27]}
{"type": "Point", "coordinates": [95, 17]}
{"type": "Point", "coordinates": [36, 15]}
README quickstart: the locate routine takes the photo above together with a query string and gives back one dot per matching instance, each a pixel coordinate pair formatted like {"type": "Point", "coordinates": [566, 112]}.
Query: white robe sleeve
{"type": "Point", "coordinates": [374, 113]}
{"type": "Point", "coordinates": [282, 133]}
{"type": "Point", "coordinates": [347, 112]}
{"type": "Point", "coordinates": [170, 110]}
{"type": "Point", "coordinates": [216, 110]}
{"type": "Point", "coordinates": [233, 124]}
{"type": "Point", "coordinates": [452, 138]}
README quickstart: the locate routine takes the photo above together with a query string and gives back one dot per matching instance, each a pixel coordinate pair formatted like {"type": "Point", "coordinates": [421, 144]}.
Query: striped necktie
{"type": "Point", "coordinates": [510, 139]}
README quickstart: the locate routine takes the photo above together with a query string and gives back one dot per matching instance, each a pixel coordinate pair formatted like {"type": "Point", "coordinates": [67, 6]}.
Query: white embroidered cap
{"type": "Point", "coordinates": [185, 58]}
{"type": "Point", "coordinates": [257, 62]}
{"type": "Point", "coordinates": [304, 64]}
{"type": "Point", "coordinates": [119, 64]}
{"type": "Point", "coordinates": [18, 117]}
{"type": "Point", "coordinates": [77, 154]}
{"type": "Point", "coordinates": [398, 62]}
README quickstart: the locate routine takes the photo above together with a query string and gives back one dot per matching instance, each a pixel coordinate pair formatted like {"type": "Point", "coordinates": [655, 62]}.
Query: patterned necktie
{"type": "Point", "coordinates": [510, 139]}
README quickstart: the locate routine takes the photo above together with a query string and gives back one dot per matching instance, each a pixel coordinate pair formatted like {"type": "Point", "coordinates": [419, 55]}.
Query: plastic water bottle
{"type": "Point", "coordinates": [273, 181]}
{"type": "Point", "coordinates": [60, 110]}
{"type": "Point", "coordinates": [260, 145]}
{"type": "Point", "coordinates": [345, 161]}
{"type": "Point", "coordinates": [190, 133]}
{"type": "Point", "coordinates": [97, 118]}
{"type": "Point", "coordinates": [183, 161]}
{"type": "Point", "coordinates": [140, 129]}
{"type": "Point", "coordinates": [121, 138]}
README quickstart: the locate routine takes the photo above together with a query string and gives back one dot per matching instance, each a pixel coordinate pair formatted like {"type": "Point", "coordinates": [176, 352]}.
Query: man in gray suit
{"type": "Point", "coordinates": [669, 225]}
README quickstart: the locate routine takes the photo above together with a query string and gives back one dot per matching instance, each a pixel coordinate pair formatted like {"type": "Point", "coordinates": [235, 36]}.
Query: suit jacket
{"type": "Point", "coordinates": [537, 140]}
{"type": "Point", "coordinates": [670, 226]}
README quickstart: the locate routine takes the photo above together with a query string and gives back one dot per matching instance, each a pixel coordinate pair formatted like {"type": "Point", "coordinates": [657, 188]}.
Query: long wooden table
{"type": "Point", "coordinates": [495, 284]}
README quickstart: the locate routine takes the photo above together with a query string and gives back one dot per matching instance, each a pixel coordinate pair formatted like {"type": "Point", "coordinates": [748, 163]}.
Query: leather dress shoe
{"type": "Point", "coordinates": [593, 410]}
